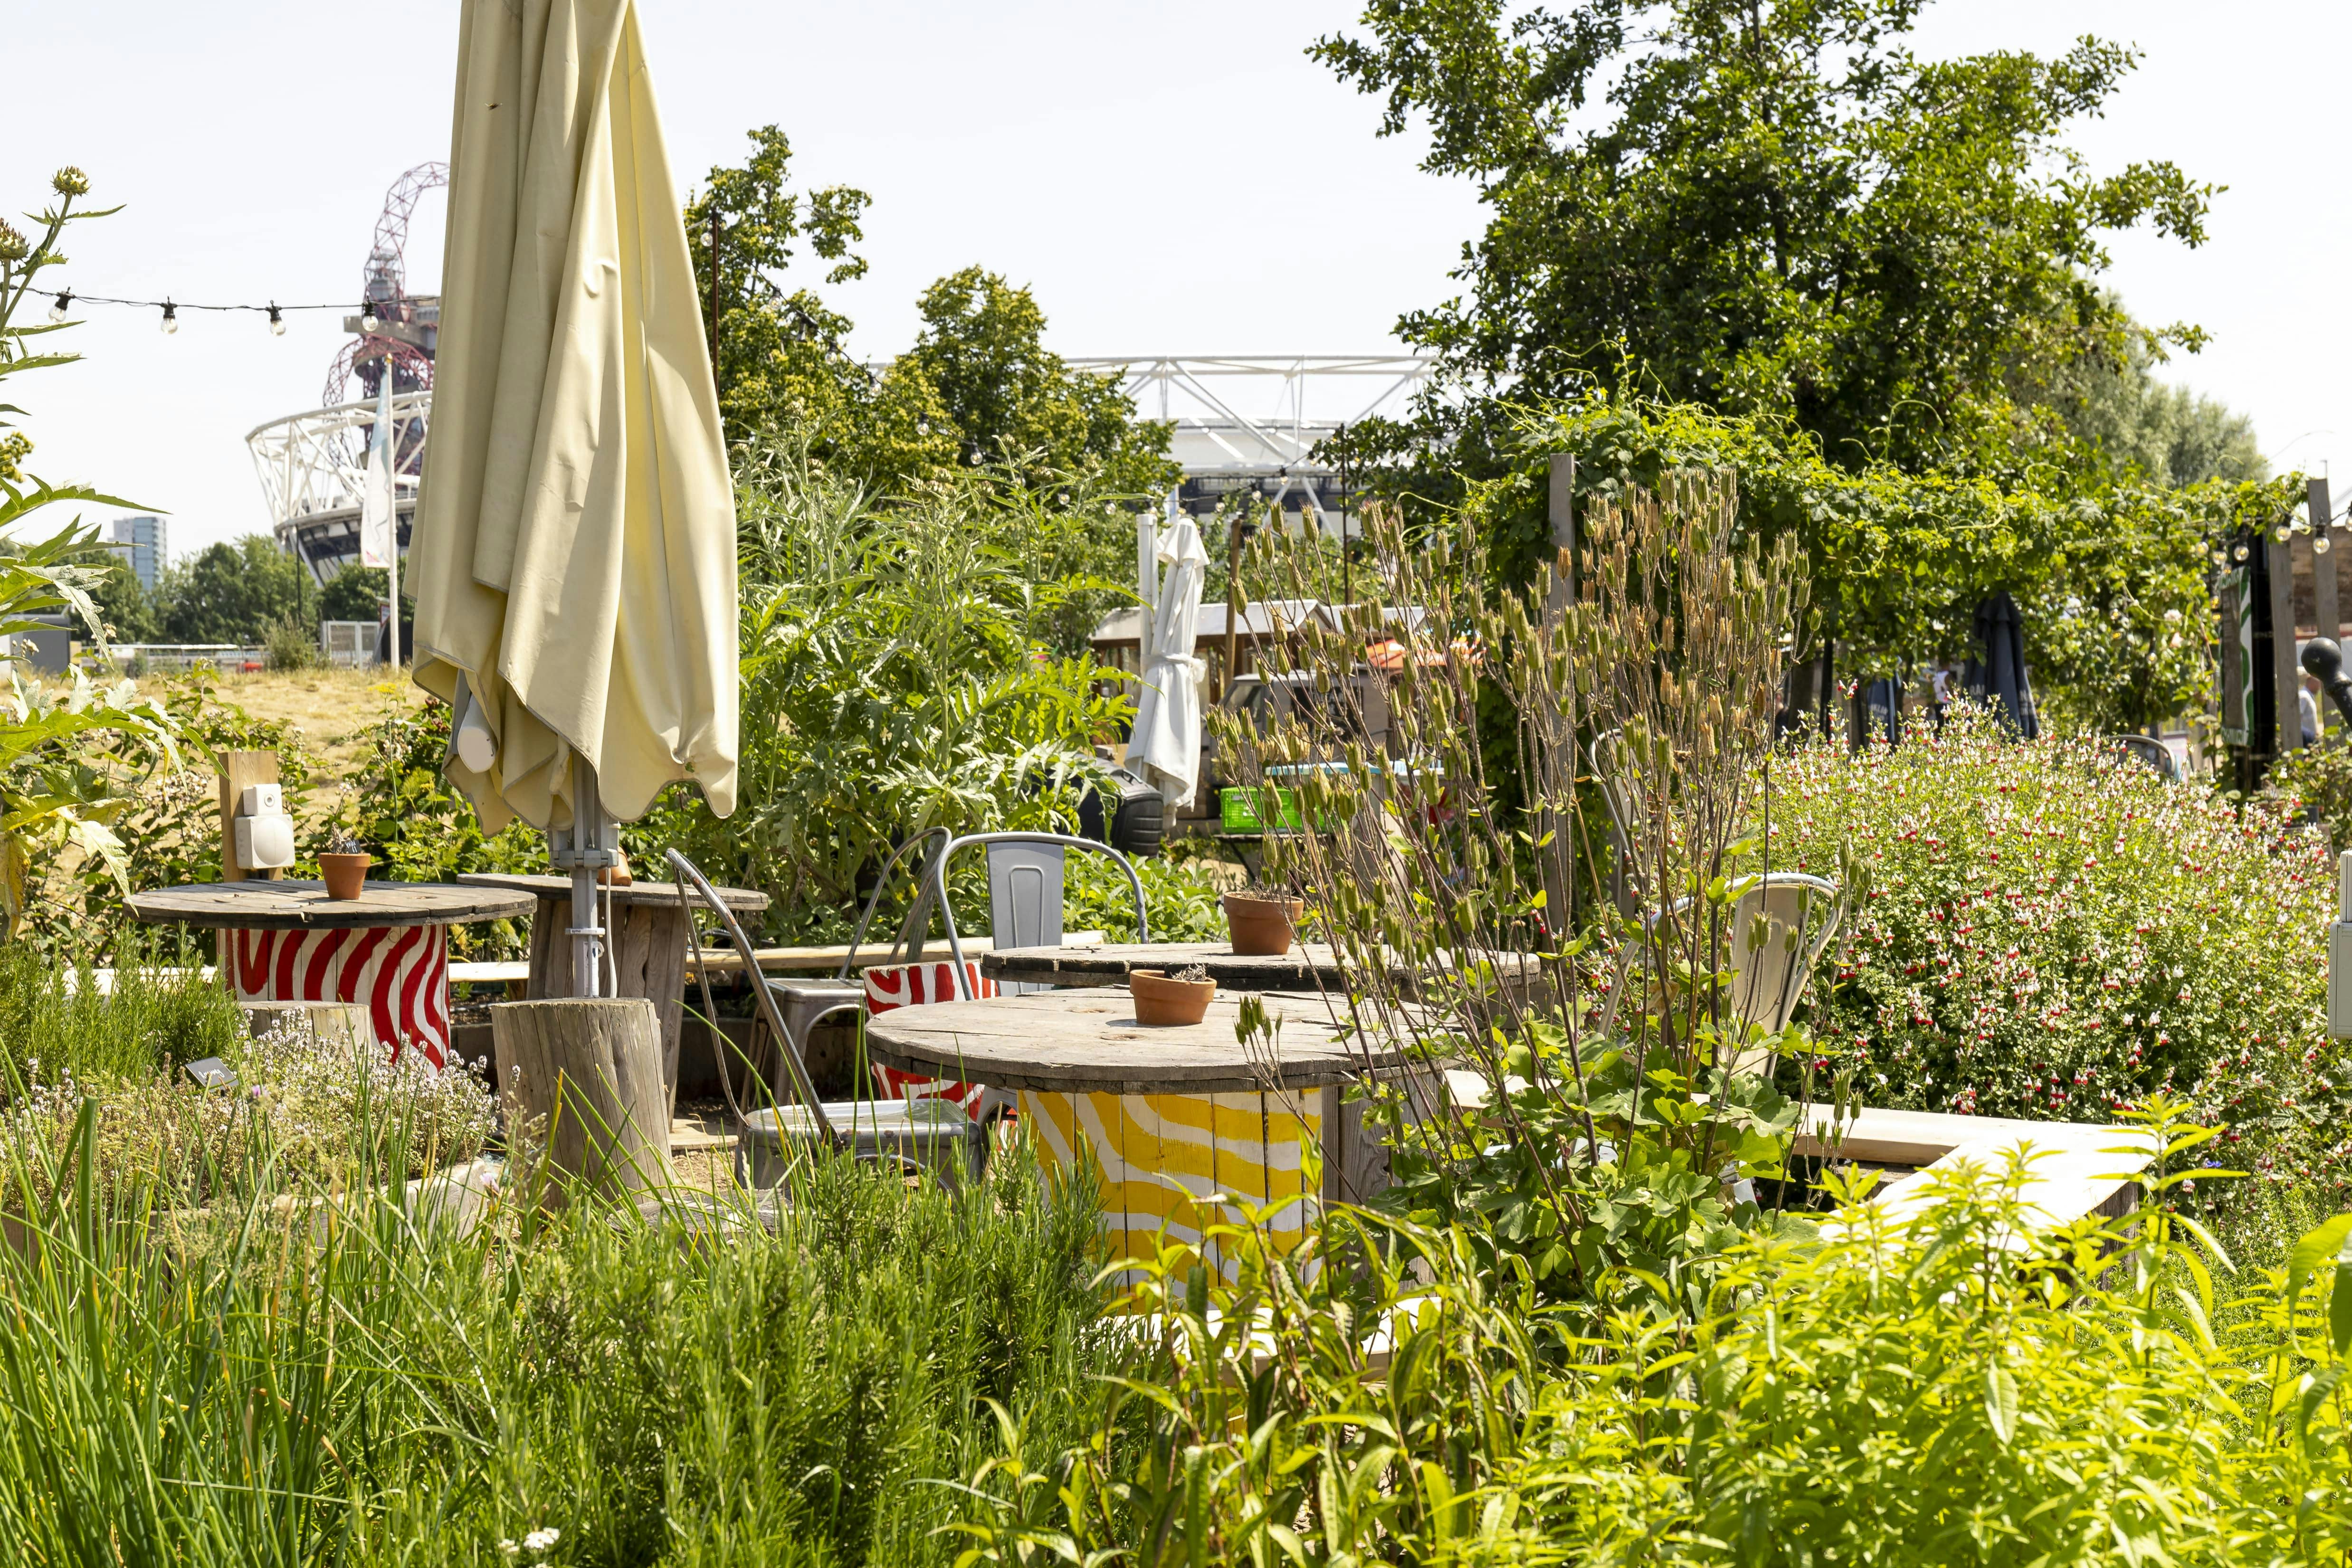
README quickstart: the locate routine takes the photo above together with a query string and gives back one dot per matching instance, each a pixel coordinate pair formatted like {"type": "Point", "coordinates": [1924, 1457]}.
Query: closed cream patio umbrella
{"type": "Point", "coordinates": [573, 550]}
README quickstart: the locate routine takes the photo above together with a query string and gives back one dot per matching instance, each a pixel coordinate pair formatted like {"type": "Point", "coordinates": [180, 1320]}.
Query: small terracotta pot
{"type": "Point", "coordinates": [344, 874]}
{"type": "Point", "coordinates": [1262, 927]}
{"type": "Point", "coordinates": [614, 875]}
{"type": "Point", "coordinates": [1159, 1000]}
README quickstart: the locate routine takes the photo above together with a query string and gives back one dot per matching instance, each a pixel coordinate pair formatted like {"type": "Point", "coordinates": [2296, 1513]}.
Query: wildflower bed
{"type": "Point", "coordinates": [2053, 931]}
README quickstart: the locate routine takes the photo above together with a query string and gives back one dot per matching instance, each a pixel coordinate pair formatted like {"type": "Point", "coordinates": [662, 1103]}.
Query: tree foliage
{"type": "Point", "coordinates": [1767, 208]}
{"type": "Point", "coordinates": [978, 387]}
{"type": "Point", "coordinates": [2112, 582]}
{"type": "Point", "coordinates": [233, 594]}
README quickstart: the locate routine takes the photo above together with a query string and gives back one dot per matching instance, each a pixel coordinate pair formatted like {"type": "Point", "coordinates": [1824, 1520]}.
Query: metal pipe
{"type": "Point", "coordinates": [587, 856]}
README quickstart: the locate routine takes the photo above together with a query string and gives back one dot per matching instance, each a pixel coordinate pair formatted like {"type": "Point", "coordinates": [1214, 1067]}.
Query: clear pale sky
{"type": "Point", "coordinates": [1168, 178]}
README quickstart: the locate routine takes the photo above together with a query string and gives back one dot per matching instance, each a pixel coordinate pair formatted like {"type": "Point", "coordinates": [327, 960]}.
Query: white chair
{"type": "Point", "coordinates": [1781, 924]}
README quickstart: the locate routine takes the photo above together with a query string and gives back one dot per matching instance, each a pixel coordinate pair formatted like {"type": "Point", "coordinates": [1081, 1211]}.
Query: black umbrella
{"type": "Point", "coordinates": [1997, 675]}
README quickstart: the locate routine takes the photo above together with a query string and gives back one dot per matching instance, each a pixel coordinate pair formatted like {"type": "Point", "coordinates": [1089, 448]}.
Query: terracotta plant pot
{"type": "Point", "coordinates": [1262, 927]}
{"type": "Point", "coordinates": [614, 875]}
{"type": "Point", "coordinates": [1159, 1000]}
{"type": "Point", "coordinates": [344, 874]}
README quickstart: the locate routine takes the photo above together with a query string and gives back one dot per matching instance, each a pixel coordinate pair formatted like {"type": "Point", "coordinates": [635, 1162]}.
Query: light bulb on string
{"type": "Point", "coordinates": [277, 321]}
{"type": "Point", "coordinates": [2319, 543]}
{"type": "Point", "coordinates": [64, 304]}
{"type": "Point", "coordinates": [367, 315]}
{"type": "Point", "coordinates": [2238, 554]}
{"type": "Point", "coordinates": [2281, 534]}
{"type": "Point", "coordinates": [2220, 556]}
{"type": "Point", "coordinates": [171, 319]}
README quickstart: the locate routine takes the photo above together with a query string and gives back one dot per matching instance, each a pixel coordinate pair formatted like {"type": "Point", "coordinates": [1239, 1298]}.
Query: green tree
{"type": "Point", "coordinates": [356, 593]}
{"type": "Point", "coordinates": [777, 351]}
{"type": "Point", "coordinates": [983, 353]}
{"type": "Point", "coordinates": [123, 605]}
{"type": "Point", "coordinates": [231, 592]}
{"type": "Point", "coordinates": [978, 387]}
{"type": "Point", "coordinates": [1767, 208]}
{"type": "Point", "coordinates": [2133, 425]}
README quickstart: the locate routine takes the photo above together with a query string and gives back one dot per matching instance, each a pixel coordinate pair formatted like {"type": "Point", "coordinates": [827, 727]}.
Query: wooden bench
{"type": "Point", "coordinates": [2077, 1168]}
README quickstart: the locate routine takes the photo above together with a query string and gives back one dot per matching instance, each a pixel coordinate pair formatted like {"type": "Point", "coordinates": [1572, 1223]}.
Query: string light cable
{"type": "Point", "coordinates": [67, 298]}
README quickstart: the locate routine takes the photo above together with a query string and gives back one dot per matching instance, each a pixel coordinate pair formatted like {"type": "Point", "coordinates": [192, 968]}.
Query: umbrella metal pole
{"type": "Point", "coordinates": [586, 853]}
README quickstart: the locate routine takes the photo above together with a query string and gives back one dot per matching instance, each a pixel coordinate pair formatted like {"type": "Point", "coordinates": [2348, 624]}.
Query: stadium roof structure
{"type": "Point", "coordinates": [1248, 421]}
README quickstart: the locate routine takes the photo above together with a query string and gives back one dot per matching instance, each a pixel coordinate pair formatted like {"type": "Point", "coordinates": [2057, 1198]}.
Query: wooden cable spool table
{"type": "Point", "coordinates": [1171, 1114]}
{"type": "Point", "coordinates": [1307, 967]}
{"type": "Point", "coordinates": [388, 948]}
{"type": "Point", "coordinates": [647, 945]}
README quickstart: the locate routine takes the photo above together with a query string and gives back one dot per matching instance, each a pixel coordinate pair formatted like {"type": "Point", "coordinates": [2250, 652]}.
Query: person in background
{"type": "Point", "coordinates": [2307, 707]}
{"type": "Point", "coordinates": [1939, 682]}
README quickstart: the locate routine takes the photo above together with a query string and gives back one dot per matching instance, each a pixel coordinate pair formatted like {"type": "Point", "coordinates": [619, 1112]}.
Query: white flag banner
{"type": "Point", "coordinates": [377, 523]}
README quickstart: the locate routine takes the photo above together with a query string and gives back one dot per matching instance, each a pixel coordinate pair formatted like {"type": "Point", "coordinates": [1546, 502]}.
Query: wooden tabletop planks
{"type": "Point", "coordinates": [743, 900]}
{"type": "Point", "coordinates": [1088, 1042]}
{"type": "Point", "coordinates": [1308, 966]}
{"type": "Point", "coordinates": [292, 905]}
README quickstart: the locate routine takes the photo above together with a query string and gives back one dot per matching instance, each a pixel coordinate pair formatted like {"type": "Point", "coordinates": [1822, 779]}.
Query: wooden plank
{"type": "Point", "coordinates": [2323, 568]}
{"type": "Point", "coordinates": [743, 900]}
{"type": "Point", "coordinates": [550, 949]}
{"type": "Point", "coordinates": [2072, 1170]}
{"type": "Point", "coordinates": [1307, 967]}
{"type": "Point", "coordinates": [1878, 1136]}
{"type": "Point", "coordinates": [238, 770]}
{"type": "Point", "coordinates": [664, 978]}
{"type": "Point", "coordinates": [803, 960]}
{"type": "Point", "coordinates": [2284, 672]}
{"type": "Point", "coordinates": [299, 905]}
{"type": "Point", "coordinates": [502, 971]}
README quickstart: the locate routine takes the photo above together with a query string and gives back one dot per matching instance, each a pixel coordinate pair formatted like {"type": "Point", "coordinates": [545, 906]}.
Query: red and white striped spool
{"type": "Point", "coordinates": [890, 986]}
{"type": "Point", "coordinates": [401, 972]}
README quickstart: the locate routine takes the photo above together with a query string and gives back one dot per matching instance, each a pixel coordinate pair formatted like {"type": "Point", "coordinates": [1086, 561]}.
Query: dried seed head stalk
{"type": "Point", "coordinates": [1434, 881]}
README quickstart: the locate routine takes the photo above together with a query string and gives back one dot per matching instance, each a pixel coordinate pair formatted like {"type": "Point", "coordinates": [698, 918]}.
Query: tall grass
{"type": "Point", "coordinates": [58, 1024]}
{"type": "Point", "coordinates": [319, 1374]}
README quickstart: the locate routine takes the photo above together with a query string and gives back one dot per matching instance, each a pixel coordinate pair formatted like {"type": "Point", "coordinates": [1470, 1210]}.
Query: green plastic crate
{"type": "Point", "coordinates": [1242, 810]}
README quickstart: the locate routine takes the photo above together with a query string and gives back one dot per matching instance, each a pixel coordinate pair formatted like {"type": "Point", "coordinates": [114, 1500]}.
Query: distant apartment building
{"type": "Point", "coordinates": [141, 542]}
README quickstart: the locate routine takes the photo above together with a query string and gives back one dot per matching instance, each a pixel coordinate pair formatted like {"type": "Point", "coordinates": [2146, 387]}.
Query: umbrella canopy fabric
{"type": "Point", "coordinates": [573, 549]}
{"type": "Point", "coordinates": [1996, 677]}
{"type": "Point", "coordinates": [1164, 748]}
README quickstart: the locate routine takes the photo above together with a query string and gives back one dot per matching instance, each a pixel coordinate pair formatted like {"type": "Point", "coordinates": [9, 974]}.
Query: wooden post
{"type": "Point", "coordinates": [238, 769]}
{"type": "Point", "coordinates": [1563, 528]}
{"type": "Point", "coordinates": [2323, 565]}
{"type": "Point", "coordinates": [2286, 672]}
{"type": "Point", "coordinates": [588, 1071]}
{"type": "Point", "coordinates": [1559, 867]}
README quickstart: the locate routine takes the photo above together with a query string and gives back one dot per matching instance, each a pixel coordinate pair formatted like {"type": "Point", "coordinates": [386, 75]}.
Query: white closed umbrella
{"type": "Point", "coordinates": [1165, 746]}
{"type": "Point", "coordinates": [573, 549]}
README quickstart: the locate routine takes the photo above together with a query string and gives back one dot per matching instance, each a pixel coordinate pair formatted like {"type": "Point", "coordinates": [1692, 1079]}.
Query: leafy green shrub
{"type": "Point", "coordinates": [2319, 779]}
{"type": "Point", "coordinates": [1948, 1388]}
{"type": "Point", "coordinates": [58, 1024]}
{"type": "Point", "coordinates": [2050, 931]}
{"type": "Point", "coordinates": [900, 671]}
{"type": "Point", "coordinates": [292, 644]}
{"type": "Point", "coordinates": [403, 810]}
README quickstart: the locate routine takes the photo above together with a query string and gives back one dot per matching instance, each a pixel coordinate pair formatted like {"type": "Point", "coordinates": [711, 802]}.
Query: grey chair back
{"type": "Point", "coordinates": [1024, 900]}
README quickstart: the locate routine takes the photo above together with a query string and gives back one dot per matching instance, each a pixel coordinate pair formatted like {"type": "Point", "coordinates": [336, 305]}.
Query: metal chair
{"type": "Point", "coordinates": [914, 1139]}
{"type": "Point", "coordinates": [1773, 944]}
{"type": "Point", "coordinates": [1024, 889]}
{"type": "Point", "coordinates": [2153, 753]}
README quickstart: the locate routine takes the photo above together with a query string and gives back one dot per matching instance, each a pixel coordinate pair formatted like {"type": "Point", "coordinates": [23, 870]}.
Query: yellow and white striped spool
{"type": "Point", "coordinates": [1163, 1155]}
